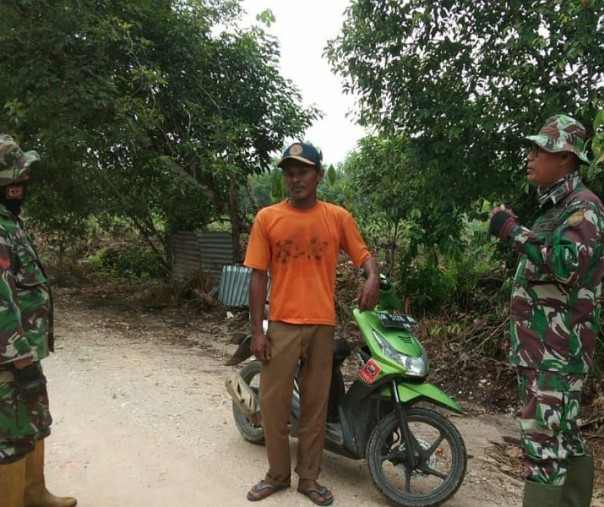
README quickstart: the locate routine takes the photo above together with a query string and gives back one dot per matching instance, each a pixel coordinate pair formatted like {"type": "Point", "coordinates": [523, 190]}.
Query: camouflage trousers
{"type": "Point", "coordinates": [548, 423]}
{"type": "Point", "coordinates": [23, 420]}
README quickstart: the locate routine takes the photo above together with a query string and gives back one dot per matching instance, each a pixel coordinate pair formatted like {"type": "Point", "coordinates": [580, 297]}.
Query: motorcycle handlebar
{"type": "Point", "coordinates": [385, 283]}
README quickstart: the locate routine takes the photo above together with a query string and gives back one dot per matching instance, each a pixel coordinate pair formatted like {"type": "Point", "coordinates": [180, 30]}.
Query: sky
{"type": "Point", "coordinates": [303, 29]}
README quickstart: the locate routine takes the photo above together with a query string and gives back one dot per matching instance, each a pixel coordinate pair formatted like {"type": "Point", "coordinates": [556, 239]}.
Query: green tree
{"type": "Point", "coordinates": [378, 190]}
{"type": "Point", "coordinates": [156, 110]}
{"type": "Point", "coordinates": [464, 80]}
{"type": "Point", "coordinates": [596, 145]}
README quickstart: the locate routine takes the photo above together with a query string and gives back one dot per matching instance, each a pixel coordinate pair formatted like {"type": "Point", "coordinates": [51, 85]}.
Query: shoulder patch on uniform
{"type": "Point", "coordinates": [576, 218]}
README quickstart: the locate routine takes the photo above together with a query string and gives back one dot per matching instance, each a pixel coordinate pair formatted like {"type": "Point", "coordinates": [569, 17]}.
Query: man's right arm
{"type": "Point", "coordinates": [260, 345]}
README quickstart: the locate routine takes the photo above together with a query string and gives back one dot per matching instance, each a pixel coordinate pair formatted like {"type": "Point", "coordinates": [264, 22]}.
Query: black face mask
{"type": "Point", "coordinates": [10, 200]}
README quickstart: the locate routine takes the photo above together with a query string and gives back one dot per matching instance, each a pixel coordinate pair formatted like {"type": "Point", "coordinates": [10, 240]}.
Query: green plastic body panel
{"type": "Point", "coordinates": [413, 392]}
{"type": "Point", "coordinates": [401, 340]}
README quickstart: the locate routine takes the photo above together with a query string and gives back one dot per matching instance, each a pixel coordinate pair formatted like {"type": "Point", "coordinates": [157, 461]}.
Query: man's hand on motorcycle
{"type": "Point", "coordinates": [261, 347]}
{"type": "Point", "coordinates": [369, 294]}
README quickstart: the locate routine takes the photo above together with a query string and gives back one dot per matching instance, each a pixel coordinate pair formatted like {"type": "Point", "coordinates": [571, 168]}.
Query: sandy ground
{"type": "Point", "coordinates": [143, 422]}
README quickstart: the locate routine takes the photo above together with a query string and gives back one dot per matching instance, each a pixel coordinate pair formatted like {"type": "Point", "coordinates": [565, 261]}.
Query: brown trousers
{"type": "Point", "coordinates": [313, 344]}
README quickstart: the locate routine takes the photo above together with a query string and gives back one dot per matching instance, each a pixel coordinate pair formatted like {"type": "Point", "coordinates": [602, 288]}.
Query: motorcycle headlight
{"type": "Point", "coordinates": [414, 366]}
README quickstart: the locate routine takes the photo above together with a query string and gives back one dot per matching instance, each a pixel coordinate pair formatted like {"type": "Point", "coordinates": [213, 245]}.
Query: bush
{"type": "Point", "coordinates": [425, 287]}
{"type": "Point", "coordinates": [464, 278]}
{"type": "Point", "coordinates": [132, 263]}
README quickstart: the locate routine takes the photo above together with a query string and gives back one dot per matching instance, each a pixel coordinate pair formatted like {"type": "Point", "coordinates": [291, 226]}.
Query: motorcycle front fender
{"type": "Point", "coordinates": [409, 393]}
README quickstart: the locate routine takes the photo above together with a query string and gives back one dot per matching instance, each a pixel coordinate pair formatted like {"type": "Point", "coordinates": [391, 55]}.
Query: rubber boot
{"type": "Point", "coordinates": [36, 494]}
{"type": "Point", "coordinates": [541, 495]}
{"type": "Point", "coordinates": [12, 483]}
{"type": "Point", "coordinates": [579, 484]}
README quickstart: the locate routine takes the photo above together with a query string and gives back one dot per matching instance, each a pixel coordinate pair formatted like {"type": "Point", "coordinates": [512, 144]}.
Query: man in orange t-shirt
{"type": "Point", "coordinates": [299, 241]}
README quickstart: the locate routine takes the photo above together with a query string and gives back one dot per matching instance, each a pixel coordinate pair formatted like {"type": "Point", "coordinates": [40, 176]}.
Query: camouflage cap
{"type": "Point", "coordinates": [13, 161]}
{"type": "Point", "coordinates": [562, 133]}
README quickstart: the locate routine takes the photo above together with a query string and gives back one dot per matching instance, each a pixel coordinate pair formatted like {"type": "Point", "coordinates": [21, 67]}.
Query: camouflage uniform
{"type": "Point", "coordinates": [555, 311]}
{"type": "Point", "coordinates": [25, 319]}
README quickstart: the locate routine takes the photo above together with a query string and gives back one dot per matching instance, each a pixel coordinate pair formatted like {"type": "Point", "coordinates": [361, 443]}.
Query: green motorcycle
{"type": "Point", "coordinates": [416, 456]}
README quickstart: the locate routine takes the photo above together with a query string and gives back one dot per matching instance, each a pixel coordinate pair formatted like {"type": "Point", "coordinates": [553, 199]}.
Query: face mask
{"type": "Point", "coordinates": [12, 196]}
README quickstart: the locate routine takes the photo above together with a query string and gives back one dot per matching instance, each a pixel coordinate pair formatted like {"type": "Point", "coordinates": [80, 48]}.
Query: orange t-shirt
{"type": "Point", "coordinates": [300, 248]}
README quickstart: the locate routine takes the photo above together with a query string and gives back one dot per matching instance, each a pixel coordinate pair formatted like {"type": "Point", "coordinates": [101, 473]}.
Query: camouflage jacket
{"type": "Point", "coordinates": [555, 299]}
{"type": "Point", "coordinates": [25, 299]}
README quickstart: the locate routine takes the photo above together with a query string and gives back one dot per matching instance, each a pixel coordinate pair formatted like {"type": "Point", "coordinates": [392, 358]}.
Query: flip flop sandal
{"type": "Point", "coordinates": [262, 490]}
{"type": "Point", "coordinates": [322, 492]}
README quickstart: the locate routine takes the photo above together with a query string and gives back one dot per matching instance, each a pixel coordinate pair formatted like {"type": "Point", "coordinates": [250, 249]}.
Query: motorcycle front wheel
{"type": "Point", "coordinates": [250, 429]}
{"type": "Point", "coordinates": [441, 465]}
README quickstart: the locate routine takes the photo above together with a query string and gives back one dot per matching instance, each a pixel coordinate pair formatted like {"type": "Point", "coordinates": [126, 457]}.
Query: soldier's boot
{"type": "Point", "coordinates": [12, 483]}
{"type": "Point", "coordinates": [36, 494]}
{"type": "Point", "coordinates": [579, 484]}
{"type": "Point", "coordinates": [541, 495]}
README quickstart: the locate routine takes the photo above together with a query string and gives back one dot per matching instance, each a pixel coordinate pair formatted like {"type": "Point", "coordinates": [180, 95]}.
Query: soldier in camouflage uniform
{"type": "Point", "coordinates": [25, 339]}
{"type": "Point", "coordinates": [554, 314]}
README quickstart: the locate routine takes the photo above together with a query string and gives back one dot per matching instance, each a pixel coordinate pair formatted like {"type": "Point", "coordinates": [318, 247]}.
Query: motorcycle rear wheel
{"type": "Point", "coordinates": [249, 429]}
{"type": "Point", "coordinates": [434, 480]}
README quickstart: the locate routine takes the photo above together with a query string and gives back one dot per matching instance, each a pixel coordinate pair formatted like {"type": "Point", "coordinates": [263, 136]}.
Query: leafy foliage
{"type": "Point", "coordinates": [596, 143]}
{"type": "Point", "coordinates": [388, 191]}
{"type": "Point", "coordinates": [465, 80]}
{"type": "Point", "coordinates": [150, 109]}
{"type": "Point", "coordinates": [128, 264]}
{"type": "Point", "coordinates": [456, 283]}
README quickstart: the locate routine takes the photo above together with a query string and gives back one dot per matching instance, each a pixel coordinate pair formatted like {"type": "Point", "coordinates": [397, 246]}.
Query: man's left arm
{"type": "Point", "coordinates": [354, 245]}
{"type": "Point", "coordinates": [370, 290]}
{"type": "Point", "coordinates": [568, 251]}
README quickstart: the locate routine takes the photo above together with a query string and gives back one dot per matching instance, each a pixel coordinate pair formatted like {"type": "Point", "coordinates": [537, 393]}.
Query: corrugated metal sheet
{"type": "Point", "coordinates": [195, 252]}
{"type": "Point", "coordinates": [216, 250]}
{"type": "Point", "coordinates": [186, 255]}
{"type": "Point", "coordinates": [234, 285]}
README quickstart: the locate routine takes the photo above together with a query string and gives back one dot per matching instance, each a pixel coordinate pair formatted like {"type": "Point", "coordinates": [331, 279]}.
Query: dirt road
{"type": "Point", "coordinates": [142, 419]}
